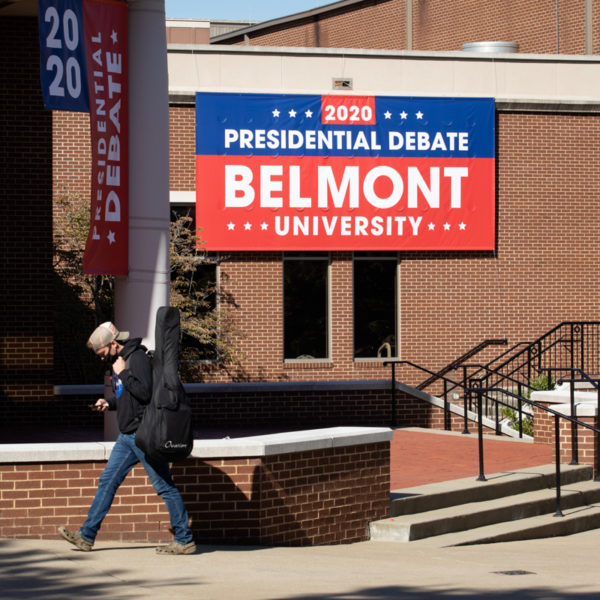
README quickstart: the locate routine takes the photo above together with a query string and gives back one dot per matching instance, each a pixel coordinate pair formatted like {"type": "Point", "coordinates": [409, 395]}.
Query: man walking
{"type": "Point", "coordinates": [132, 386]}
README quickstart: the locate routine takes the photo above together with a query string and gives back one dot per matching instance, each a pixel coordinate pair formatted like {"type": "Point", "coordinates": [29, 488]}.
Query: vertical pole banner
{"type": "Point", "coordinates": [105, 30]}
{"type": "Point", "coordinates": [62, 55]}
{"type": "Point", "coordinates": [83, 67]}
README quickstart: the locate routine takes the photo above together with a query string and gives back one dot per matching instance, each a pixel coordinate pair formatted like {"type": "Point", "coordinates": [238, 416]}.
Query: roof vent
{"type": "Point", "coordinates": [495, 47]}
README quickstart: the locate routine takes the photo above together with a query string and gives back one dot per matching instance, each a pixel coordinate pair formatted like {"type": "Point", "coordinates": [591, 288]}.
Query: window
{"type": "Point", "coordinates": [305, 305]}
{"type": "Point", "coordinates": [375, 304]}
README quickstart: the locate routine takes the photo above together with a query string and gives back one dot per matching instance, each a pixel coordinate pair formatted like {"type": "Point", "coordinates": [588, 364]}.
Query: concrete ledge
{"type": "Point", "coordinates": [243, 387]}
{"type": "Point", "coordinates": [253, 446]}
{"type": "Point", "coordinates": [302, 488]}
{"type": "Point", "coordinates": [562, 395]}
{"type": "Point", "coordinates": [59, 452]}
{"type": "Point", "coordinates": [582, 409]}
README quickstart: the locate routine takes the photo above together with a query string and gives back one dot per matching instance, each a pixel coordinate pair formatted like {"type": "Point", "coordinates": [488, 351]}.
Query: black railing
{"type": "Point", "coordinates": [449, 387]}
{"type": "Point", "coordinates": [477, 386]}
{"type": "Point", "coordinates": [461, 359]}
{"type": "Point", "coordinates": [571, 344]}
{"type": "Point", "coordinates": [448, 383]}
{"type": "Point", "coordinates": [479, 391]}
{"type": "Point", "coordinates": [480, 375]}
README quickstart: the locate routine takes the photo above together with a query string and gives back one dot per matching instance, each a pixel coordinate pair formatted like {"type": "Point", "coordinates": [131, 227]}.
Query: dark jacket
{"type": "Point", "coordinates": [136, 391]}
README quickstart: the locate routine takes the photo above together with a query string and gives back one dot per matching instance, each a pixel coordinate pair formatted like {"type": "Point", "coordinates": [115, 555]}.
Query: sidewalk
{"type": "Point", "coordinates": [554, 568]}
{"type": "Point", "coordinates": [558, 568]}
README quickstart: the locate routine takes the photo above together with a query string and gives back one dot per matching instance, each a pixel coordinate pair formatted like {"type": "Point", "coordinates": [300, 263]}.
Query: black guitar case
{"type": "Point", "coordinates": [166, 429]}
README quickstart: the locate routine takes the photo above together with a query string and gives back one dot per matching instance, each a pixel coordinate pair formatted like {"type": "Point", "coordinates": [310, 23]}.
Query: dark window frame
{"type": "Point", "coordinates": [324, 314]}
{"type": "Point", "coordinates": [360, 345]}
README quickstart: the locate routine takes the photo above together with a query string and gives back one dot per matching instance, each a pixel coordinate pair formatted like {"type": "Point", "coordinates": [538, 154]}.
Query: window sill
{"type": "Point", "coordinates": [290, 364]}
{"type": "Point", "coordinates": [370, 362]}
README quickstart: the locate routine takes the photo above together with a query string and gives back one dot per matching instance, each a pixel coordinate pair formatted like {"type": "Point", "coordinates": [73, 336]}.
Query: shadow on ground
{"type": "Point", "coordinates": [50, 576]}
{"type": "Point", "coordinates": [71, 574]}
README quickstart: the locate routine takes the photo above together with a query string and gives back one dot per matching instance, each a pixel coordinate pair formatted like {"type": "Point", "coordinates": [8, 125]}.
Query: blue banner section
{"type": "Point", "coordinates": [338, 125]}
{"type": "Point", "coordinates": [62, 55]}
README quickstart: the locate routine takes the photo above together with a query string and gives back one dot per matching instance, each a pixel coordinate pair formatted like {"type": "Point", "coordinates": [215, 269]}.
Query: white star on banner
{"type": "Point", "coordinates": [264, 226]}
{"type": "Point", "coordinates": [275, 113]}
{"type": "Point", "coordinates": [292, 113]}
{"type": "Point", "coordinates": [419, 115]}
{"type": "Point", "coordinates": [113, 37]}
{"type": "Point", "coordinates": [446, 226]}
{"type": "Point", "coordinates": [230, 226]}
{"type": "Point", "coordinates": [431, 226]}
{"type": "Point", "coordinates": [247, 226]}
{"type": "Point", "coordinates": [403, 115]}
{"type": "Point", "coordinates": [462, 226]}
{"type": "Point", "coordinates": [308, 113]}
{"type": "Point", "coordinates": [387, 114]}
{"type": "Point", "coordinates": [111, 237]}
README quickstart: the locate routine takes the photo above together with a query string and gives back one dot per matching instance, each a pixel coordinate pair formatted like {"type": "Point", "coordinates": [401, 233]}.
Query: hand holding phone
{"type": "Point", "coordinates": [100, 405]}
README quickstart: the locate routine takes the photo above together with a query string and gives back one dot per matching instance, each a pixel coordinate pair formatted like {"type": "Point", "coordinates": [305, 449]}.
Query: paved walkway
{"type": "Point", "coordinates": [421, 456]}
{"type": "Point", "coordinates": [557, 568]}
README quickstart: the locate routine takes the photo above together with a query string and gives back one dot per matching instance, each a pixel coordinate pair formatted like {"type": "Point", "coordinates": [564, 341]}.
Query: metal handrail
{"type": "Point", "coordinates": [480, 390]}
{"type": "Point", "coordinates": [445, 379]}
{"type": "Point", "coordinates": [577, 333]}
{"type": "Point", "coordinates": [449, 385]}
{"type": "Point", "coordinates": [457, 362]}
{"type": "Point", "coordinates": [502, 355]}
{"type": "Point", "coordinates": [519, 384]}
{"type": "Point", "coordinates": [475, 386]}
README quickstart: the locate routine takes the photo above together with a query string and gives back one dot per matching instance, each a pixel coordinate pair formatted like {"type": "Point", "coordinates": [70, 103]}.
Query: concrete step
{"type": "Point", "coordinates": [507, 506]}
{"type": "Point", "coordinates": [574, 520]}
{"type": "Point", "coordinates": [406, 528]}
{"type": "Point", "coordinates": [462, 491]}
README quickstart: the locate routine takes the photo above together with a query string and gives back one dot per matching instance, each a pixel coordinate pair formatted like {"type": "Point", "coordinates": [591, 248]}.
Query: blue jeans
{"type": "Point", "coordinates": [124, 456]}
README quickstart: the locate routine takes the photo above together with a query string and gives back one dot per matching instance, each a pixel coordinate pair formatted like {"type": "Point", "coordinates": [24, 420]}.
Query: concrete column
{"type": "Point", "coordinates": [138, 296]}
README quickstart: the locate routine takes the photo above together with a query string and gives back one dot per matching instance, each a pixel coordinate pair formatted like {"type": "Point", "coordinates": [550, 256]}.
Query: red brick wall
{"type": "Point", "coordinates": [306, 498]}
{"type": "Point", "coordinates": [245, 410]}
{"type": "Point", "coordinates": [546, 245]}
{"type": "Point", "coordinates": [443, 25]}
{"type": "Point", "coordinates": [541, 274]}
{"type": "Point", "coordinates": [26, 356]}
{"type": "Point", "coordinates": [182, 148]}
{"type": "Point", "coordinates": [545, 432]}
{"type": "Point", "coordinates": [440, 25]}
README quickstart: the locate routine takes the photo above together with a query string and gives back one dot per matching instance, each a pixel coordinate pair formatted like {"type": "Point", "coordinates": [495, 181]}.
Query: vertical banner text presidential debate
{"type": "Point", "coordinates": [337, 172]}
{"type": "Point", "coordinates": [83, 67]}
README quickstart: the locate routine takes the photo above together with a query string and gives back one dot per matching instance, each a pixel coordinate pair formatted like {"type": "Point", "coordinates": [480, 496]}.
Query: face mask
{"type": "Point", "coordinates": [109, 359]}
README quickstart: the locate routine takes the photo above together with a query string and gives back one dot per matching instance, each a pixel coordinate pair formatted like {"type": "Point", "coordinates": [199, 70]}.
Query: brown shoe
{"type": "Point", "coordinates": [74, 538]}
{"type": "Point", "coordinates": [175, 548]}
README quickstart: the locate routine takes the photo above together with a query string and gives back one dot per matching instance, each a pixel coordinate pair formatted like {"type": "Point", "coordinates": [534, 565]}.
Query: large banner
{"type": "Point", "coordinates": [337, 172]}
{"type": "Point", "coordinates": [83, 50]}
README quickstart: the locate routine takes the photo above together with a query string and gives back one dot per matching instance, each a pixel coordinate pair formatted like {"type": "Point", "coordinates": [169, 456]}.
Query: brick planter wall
{"type": "Point", "coordinates": [587, 445]}
{"type": "Point", "coordinates": [323, 496]}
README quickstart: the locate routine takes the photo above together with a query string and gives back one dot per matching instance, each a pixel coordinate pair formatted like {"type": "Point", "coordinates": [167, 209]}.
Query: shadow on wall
{"type": "Point", "coordinates": [225, 511]}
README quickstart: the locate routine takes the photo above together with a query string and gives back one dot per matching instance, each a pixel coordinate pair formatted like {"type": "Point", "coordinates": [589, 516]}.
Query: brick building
{"type": "Point", "coordinates": [539, 27]}
{"type": "Point", "coordinates": [437, 304]}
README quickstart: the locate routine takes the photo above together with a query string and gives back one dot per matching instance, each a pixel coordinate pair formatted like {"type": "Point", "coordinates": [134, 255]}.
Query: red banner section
{"type": "Point", "coordinates": [348, 110]}
{"type": "Point", "coordinates": [105, 30]}
{"type": "Point", "coordinates": [347, 204]}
